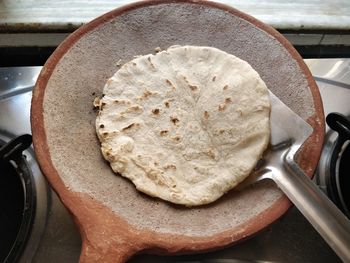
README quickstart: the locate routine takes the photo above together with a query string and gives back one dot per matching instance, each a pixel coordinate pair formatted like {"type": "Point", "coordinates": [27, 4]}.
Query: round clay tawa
{"type": "Point", "coordinates": [115, 220]}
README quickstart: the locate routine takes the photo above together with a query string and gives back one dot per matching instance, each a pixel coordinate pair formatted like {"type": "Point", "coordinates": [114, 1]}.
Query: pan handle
{"type": "Point", "coordinates": [106, 237]}
{"type": "Point", "coordinates": [325, 217]}
{"type": "Point", "coordinates": [117, 251]}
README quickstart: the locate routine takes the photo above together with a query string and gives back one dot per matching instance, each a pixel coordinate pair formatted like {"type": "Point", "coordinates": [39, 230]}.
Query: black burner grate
{"type": "Point", "coordinates": [17, 199]}
{"type": "Point", "coordinates": [12, 202]}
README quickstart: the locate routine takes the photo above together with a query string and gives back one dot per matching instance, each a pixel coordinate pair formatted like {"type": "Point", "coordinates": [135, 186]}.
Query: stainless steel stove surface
{"type": "Point", "coordinates": [55, 238]}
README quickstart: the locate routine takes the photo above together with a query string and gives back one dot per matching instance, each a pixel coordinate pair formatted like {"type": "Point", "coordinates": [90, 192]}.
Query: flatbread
{"type": "Point", "coordinates": [186, 124]}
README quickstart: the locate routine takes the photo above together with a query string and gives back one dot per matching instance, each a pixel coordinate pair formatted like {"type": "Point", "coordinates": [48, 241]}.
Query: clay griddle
{"type": "Point", "coordinates": [115, 220]}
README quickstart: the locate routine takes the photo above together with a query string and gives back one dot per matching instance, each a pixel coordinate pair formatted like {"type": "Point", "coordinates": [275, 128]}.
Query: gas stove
{"type": "Point", "coordinates": [52, 236]}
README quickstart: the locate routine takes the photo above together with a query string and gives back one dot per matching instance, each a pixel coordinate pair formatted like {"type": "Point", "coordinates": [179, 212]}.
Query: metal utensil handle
{"type": "Point", "coordinates": [325, 217]}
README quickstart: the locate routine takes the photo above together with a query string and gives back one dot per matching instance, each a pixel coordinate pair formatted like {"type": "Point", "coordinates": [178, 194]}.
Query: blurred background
{"type": "Point", "coordinates": [31, 29]}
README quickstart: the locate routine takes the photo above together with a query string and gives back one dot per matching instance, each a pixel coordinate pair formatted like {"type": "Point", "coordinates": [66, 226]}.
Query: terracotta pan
{"type": "Point", "coordinates": [114, 219]}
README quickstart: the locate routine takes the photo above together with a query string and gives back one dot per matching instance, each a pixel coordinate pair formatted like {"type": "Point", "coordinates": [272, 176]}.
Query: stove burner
{"type": "Point", "coordinates": [343, 179]}
{"type": "Point", "coordinates": [17, 198]}
{"type": "Point", "coordinates": [334, 162]}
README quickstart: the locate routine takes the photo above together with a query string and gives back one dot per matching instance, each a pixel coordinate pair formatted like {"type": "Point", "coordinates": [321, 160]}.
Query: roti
{"type": "Point", "coordinates": [186, 124]}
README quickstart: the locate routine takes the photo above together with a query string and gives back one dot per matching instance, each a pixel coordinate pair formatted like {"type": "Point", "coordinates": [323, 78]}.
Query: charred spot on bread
{"type": "Point", "coordinates": [170, 84]}
{"type": "Point", "coordinates": [174, 120]}
{"type": "Point", "coordinates": [164, 132]}
{"type": "Point", "coordinates": [155, 111]}
{"type": "Point", "coordinates": [193, 87]}
{"type": "Point", "coordinates": [128, 127]}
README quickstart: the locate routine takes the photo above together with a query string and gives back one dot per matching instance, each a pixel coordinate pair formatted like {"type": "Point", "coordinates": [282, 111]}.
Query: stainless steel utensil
{"type": "Point", "coordinates": [288, 133]}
